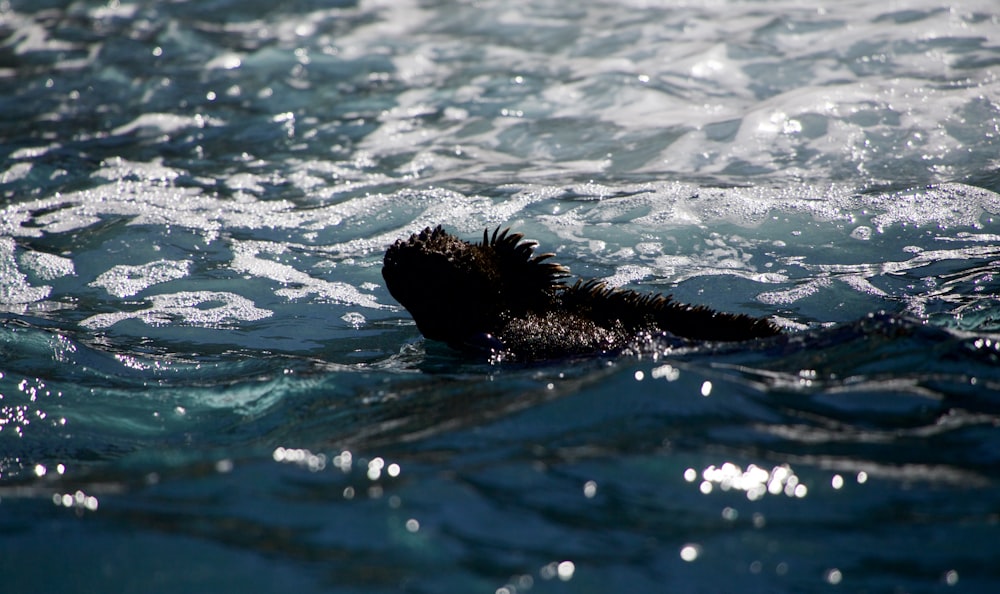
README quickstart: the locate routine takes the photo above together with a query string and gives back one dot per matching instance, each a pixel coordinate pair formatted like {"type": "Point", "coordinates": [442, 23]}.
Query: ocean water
{"type": "Point", "coordinates": [205, 386]}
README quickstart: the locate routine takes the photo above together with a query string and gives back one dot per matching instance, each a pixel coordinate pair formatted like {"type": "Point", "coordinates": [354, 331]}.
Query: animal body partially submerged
{"type": "Point", "coordinates": [498, 296]}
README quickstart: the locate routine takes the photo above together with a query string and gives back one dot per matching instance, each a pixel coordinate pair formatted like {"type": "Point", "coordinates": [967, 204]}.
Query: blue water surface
{"type": "Point", "coordinates": [205, 386]}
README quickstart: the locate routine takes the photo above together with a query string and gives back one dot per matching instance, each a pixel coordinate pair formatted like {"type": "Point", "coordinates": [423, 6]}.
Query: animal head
{"type": "Point", "coordinates": [456, 290]}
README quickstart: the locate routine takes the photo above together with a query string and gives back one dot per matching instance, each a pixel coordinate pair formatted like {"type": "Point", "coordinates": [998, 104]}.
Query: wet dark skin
{"type": "Point", "coordinates": [499, 297]}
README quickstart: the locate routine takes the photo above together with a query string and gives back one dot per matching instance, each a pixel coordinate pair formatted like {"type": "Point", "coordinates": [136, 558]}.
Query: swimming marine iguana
{"type": "Point", "coordinates": [498, 296]}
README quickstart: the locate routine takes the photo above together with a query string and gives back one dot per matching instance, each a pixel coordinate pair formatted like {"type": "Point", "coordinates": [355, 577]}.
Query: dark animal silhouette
{"type": "Point", "coordinates": [498, 296]}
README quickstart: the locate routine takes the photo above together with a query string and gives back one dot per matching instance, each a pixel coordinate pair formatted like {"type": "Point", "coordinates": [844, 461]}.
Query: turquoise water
{"type": "Point", "coordinates": [205, 387]}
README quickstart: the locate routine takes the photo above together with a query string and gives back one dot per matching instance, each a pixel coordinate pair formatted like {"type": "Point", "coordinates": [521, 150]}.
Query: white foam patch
{"type": "Point", "coordinates": [14, 286]}
{"type": "Point", "coordinates": [164, 123]}
{"type": "Point", "coordinates": [139, 196]}
{"type": "Point", "coordinates": [663, 205]}
{"type": "Point", "coordinates": [862, 285]}
{"type": "Point", "coordinates": [246, 259]}
{"type": "Point", "coordinates": [355, 319]}
{"type": "Point", "coordinates": [47, 266]}
{"type": "Point", "coordinates": [628, 273]}
{"type": "Point", "coordinates": [921, 258]}
{"type": "Point", "coordinates": [16, 172]}
{"type": "Point", "coordinates": [945, 205]}
{"type": "Point", "coordinates": [857, 275]}
{"type": "Point", "coordinates": [118, 169]}
{"type": "Point", "coordinates": [206, 309]}
{"type": "Point", "coordinates": [125, 281]}
{"type": "Point", "coordinates": [794, 294]}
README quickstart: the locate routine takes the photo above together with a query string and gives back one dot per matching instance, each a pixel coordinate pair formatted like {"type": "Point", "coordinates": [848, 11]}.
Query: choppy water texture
{"type": "Point", "coordinates": [204, 385]}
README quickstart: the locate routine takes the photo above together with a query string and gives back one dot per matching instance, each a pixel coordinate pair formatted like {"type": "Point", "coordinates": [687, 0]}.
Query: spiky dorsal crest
{"type": "Point", "coordinates": [523, 271]}
{"type": "Point", "coordinates": [654, 311]}
{"type": "Point", "coordinates": [427, 239]}
{"type": "Point", "coordinates": [610, 304]}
